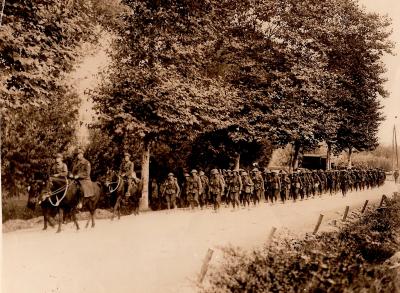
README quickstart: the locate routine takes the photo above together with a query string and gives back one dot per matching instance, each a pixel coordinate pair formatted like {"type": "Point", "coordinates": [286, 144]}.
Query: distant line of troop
{"type": "Point", "coordinates": [241, 188]}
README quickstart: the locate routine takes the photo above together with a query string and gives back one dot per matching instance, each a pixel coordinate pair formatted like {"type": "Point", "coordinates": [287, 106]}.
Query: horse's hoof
{"type": "Point", "coordinates": [44, 228]}
{"type": "Point", "coordinates": [93, 226]}
{"type": "Point", "coordinates": [58, 231]}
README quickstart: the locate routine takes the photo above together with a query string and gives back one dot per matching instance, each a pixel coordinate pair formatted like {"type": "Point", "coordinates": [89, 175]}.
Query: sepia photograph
{"type": "Point", "coordinates": [200, 146]}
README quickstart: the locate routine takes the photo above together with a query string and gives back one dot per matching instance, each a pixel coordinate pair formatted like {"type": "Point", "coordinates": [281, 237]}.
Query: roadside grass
{"type": "Point", "coordinates": [353, 259]}
{"type": "Point", "coordinates": [15, 208]}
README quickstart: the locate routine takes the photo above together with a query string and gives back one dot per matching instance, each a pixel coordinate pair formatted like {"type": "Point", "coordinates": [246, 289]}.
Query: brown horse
{"type": "Point", "coordinates": [62, 200]}
{"type": "Point", "coordinates": [117, 187]}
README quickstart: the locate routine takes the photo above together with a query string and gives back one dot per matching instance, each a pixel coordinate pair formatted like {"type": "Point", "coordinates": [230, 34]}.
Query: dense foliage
{"type": "Point", "coordinates": [351, 260]}
{"type": "Point", "coordinates": [40, 45]}
{"type": "Point", "coordinates": [184, 74]}
{"type": "Point", "coordinates": [278, 71]}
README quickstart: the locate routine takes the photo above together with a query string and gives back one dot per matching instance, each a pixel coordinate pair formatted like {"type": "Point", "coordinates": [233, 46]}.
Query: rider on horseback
{"type": "Point", "coordinates": [59, 172]}
{"type": "Point", "coordinates": [81, 172]}
{"type": "Point", "coordinates": [127, 172]}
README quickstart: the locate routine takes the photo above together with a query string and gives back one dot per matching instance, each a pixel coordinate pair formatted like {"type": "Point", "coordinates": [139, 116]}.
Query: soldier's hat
{"type": "Point", "coordinates": [244, 173]}
{"type": "Point", "coordinates": [80, 151]}
{"type": "Point", "coordinates": [186, 175]}
{"type": "Point", "coordinates": [193, 171]}
{"type": "Point", "coordinates": [254, 170]}
{"type": "Point", "coordinates": [201, 173]}
{"type": "Point", "coordinates": [59, 156]}
{"type": "Point", "coordinates": [126, 154]}
{"type": "Point", "coordinates": [235, 171]}
{"type": "Point", "coordinates": [170, 174]}
{"type": "Point", "coordinates": [214, 171]}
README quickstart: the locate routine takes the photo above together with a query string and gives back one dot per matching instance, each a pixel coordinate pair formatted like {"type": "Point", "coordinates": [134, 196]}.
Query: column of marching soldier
{"type": "Point", "coordinates": [242, 188]}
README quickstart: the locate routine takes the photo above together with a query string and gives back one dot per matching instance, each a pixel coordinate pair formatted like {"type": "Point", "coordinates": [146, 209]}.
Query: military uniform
{"type": "Point", "coordinates": [126, 170]}
{"type": "Point", "coordinates": [275, 187]}
{"type": "Point", "coordinates": [194, 187]}
{"type": "Point", "coordinates": [248, 187]}
{"type": "Point", "coordinates": [296, 186]}
{"type": "Point", "coordinates": [170, 190]}
{"type": "Point", "coordinates": [81, 171]}
{"type": "Point", "coordinates": [216, 188]}
{"type": "Point", "coordinates": [204, 190]}
{"type": "Point", "coordinates": [285, 187]}
{"type": "Point", "coordinates": [235, 189]}
{"type": "Point", "coordinates": [59, 175]}
{"type": "Point", "coordinates": [258, 186]}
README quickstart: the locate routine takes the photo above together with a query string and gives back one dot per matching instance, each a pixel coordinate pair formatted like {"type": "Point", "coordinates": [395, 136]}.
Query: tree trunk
{"type": "Point", "coordinates": [144, 201]}
{"type": "Point", "coordinates": [349, 163]}
{"type": "Point", "coordinates": [237, 162]}
{"type": "Point", "coordinates": [295, 159]}
{"type": "Point", "coordinates": [328, 156]}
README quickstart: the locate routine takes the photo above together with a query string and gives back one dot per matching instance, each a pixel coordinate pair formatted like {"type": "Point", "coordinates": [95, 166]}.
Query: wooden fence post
{"type": "Point", "coordinates": [204, 267]}
{"type": "Point", "coordinates": [271, 235]}
{"type": "Point", "coordinates": [318, 224]}
{"type": "Point", "coordinates": [346, 211]}
{"type": "Point", "coordinates": [364, 207]}
{"type": "Point", "coordinates": [382, 200]}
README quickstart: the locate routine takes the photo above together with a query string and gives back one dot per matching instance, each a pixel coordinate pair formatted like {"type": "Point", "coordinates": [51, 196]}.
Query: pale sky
{"type": "Point", "coordinates": [392, 103]}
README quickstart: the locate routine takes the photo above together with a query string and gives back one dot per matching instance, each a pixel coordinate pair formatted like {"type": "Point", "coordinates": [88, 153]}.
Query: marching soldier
{"type": "Point", "coordinates": [275, 187]}
{"type": "Point", "coordinates": [285, 186]}
{"type": "Point", "coordinates": [195, 188]}
{"type": "Point", "coordinates": [216, 188]}
{"type": "Point", "coordinates": [295, 186]}
{"type": "Point", "coordinates": [236, 188]}
{"type": "Point", "coordinates": [204, 190]}
{"type": "Point", "coordinates": [248, 186]}
{"type": "Point", "coordinates": [81, 172]}
{"type": "Point", "coordinates": [170, 190]}
{"type": "Point", "coordinates": [258, 186]}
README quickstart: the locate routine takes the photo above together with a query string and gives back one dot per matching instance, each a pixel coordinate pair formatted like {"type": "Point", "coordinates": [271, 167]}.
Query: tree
{"type": "Point", "coordinates": [158, 91]}
{"type": "Point", "coordinates": [40, 46]}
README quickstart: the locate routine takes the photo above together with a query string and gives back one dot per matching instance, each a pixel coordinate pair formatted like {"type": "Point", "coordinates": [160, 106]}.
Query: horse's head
{"type": "Point", "coordinates": [35, 190]}
{"type": "Point", "coordinates": [111, 176]}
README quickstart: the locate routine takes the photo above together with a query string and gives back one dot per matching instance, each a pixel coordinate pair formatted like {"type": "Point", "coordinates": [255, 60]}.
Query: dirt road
{"type": "Point", "coordinates": [156, 251]}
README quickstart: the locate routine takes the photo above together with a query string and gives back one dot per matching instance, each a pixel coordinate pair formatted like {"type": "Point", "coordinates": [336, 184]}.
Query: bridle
{"type": "Point", "coordinates": [110, 190]}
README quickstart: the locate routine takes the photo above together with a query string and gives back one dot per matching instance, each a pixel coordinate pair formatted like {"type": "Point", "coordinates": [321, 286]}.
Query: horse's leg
{"type": "Point", "coordinates": [45, 219]}
{"type": "Point", "coordinates": [74, 218]}
{"type": "Point", "coordinates": [92, 212]}
{"type": "Point", "coordinates": [60, 219]}
{"type": "Point", "coordinates": [116, 207]}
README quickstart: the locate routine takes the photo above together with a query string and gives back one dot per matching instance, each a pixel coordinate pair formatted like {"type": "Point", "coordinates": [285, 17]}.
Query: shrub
{"type": "Point", "coordinates": [345, 261]}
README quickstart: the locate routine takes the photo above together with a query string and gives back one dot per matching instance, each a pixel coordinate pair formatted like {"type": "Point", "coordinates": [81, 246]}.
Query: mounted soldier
{"type": "Point", "coordinates": [81, 172]}
{"type": "Point", "coordinates": [126, 171]}
{"type": "Point", "coordinates": [171, 190]}
{"type": "Point", "coordinates": [59, 173]}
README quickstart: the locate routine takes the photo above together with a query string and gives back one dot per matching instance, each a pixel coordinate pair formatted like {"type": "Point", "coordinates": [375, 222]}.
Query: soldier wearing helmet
{"type": "Point", "coordinates": [204, 191]}
{"type": "Point", "coordinates": [171, 190]}
{"type": "Point", "coordinates": [259, 188]}
{"type": "Point", "coordinates": [248, 187]}
{"type": "Point", "coordinates": [195, 187]}
{"type": "Point", "coordinates": [236, 187]}
{"type": "Point", "coordinates": [216, 188]}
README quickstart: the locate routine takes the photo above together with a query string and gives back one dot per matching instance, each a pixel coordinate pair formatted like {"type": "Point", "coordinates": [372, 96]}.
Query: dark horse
{"type": "Point", "coordinates": [59, 200]}
{"type": "Point", "coordinates": [117, 188]}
